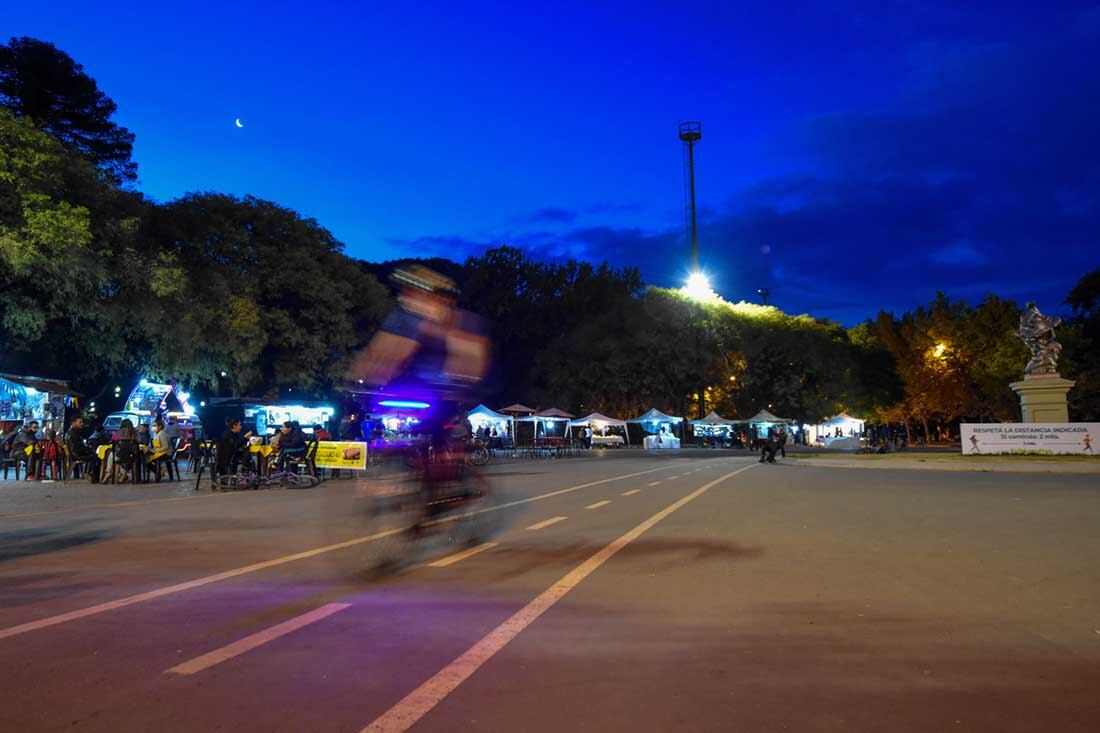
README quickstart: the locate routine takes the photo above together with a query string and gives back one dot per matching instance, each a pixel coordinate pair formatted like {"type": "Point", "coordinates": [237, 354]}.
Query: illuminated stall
{"type": "Point", "coordinates": [149, 400]}
{"type": "Point", "coordinates": [482, 416]}
{"type": "Point", "coordinates": [659, 430]}
{"type": "Point", "coordinates": [713, 429]}
{"type": "Point", "coordinates": [550, 426]}
{"type": "Point", "coordinates": [840, 431]}
{"type": "Point", "coordinates": [23, 399]}
{"type": "Point", "coordinates": [602, 426]}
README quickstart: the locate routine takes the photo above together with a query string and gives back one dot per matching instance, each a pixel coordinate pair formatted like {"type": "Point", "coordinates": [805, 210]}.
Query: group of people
{"type": "Point", "coordinates": [133, 449]}
{"type": "Point", "coordinates": [232, 448]}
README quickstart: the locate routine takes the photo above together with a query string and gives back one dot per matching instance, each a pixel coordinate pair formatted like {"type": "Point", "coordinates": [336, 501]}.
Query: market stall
{"type": "Point", "coordinates": [549, 427]}
{"type": "Point", "coordinates": [602, 425]}
{"type": "Point", "coordinates": [504, 425]}
{"type": "Point", "coordinates": [659, 430]}
{"type": "Point", "coordinates": [713, 430]}
{"type": "Point", "coordinates": [25, 398]}
{"type": "Point", "coordinates": [840, 431]}
{"type": "Point", "coordinates": [518, 410]}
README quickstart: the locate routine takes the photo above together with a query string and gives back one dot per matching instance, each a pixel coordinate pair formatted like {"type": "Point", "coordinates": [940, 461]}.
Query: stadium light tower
{"type": "Point", "coordinates": [691, 133]}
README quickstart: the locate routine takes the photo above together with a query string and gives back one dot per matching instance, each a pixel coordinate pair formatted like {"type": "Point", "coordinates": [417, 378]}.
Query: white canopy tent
{"type": "Point", "coordinates": [547, 423]}
{"type": "Point", "coordinates": [599, 423]}
{"type": "Point", "coordinates": [482, 415]}
{"type": "Point", "coordinates": [713, 424]}
{"type": "Point", "coordinates": [653, 422]}
{"type": "Point", "coordinates": [826, 431]}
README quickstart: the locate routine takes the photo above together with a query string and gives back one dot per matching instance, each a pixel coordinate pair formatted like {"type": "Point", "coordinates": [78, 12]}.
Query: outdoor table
{"type": "Point", "coordinates": [264, 452]}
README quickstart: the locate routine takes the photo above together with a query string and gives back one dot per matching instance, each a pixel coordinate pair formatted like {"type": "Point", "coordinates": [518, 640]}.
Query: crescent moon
{"type": "Point", "coordinates": [238, 122]}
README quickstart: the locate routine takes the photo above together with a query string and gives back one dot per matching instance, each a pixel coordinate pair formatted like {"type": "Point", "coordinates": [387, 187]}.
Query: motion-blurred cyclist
{"type": "Point", "coordinates": [427, 348]}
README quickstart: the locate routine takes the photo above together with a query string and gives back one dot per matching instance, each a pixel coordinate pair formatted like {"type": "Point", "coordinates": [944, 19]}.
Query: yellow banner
{"type": "Point", "coordinates": [341, 454]}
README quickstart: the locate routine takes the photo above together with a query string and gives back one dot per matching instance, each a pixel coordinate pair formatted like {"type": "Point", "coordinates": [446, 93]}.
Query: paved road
{"type": "Point", "coordinates": [624, 594]}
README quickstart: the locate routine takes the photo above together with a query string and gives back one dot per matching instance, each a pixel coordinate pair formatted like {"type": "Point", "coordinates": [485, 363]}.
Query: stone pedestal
{"type": "Point", "coordinates": [1043, 399]}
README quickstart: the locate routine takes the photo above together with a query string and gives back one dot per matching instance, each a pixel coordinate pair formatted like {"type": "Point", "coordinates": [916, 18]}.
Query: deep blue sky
{"type": "Point", "coordinates": [855, 156]}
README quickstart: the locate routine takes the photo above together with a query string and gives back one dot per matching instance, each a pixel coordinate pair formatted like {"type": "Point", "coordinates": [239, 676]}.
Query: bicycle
{"type": "Point", "coordinates": [442, 499]}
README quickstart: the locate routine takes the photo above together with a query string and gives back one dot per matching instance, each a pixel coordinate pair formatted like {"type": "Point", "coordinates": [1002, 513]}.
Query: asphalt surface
{"type": "Point", "coordinates": [691, 593]}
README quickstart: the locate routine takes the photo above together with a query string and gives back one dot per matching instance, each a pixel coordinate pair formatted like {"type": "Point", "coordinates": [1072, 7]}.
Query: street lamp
{"type": "Point", "coordinates": [698, 287]}
{"type": "Point", "coordinates": [763, 292]}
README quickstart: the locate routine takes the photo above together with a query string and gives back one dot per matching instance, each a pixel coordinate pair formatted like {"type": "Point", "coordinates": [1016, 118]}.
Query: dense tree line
{"type": "Point", "coordinates": [242, 296]}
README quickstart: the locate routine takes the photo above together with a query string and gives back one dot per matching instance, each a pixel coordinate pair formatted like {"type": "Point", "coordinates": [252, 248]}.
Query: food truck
{"type": "Point", "coordinates": [150, 400]}
{"type": "Point", "coordinates": [23, 399]}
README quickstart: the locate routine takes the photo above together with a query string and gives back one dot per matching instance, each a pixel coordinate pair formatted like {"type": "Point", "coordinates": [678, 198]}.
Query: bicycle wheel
{"type": "Point", "coordinates": [235, 482]}
{"type": "Point", "coordinates": [299, 481]}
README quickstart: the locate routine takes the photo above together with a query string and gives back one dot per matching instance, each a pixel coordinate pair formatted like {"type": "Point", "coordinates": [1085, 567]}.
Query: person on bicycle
{"type": "Point", "coordinates": [428, 348]}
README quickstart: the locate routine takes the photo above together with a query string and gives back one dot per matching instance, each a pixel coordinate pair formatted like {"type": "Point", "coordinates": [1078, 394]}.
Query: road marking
{"type": "Point", "coordinates": [598, 504]}
{"type": "Point", "coordinates": [420, 701]}
{"type": "Point", "coordinates": [548, 522]}
{"type": "Point", "coordinates": [654, 483]}
{"type": "Point", "coordinates": [632, 492]}
{"type": "Point", "coordinates": [673, 478]}
{"type": "Point", "coordinates": [43, 623]}
{"type": "Point", "coordinates": [139, 502]}
{"type": "Point", "coordinates": [459, 556]}
{"type": "Point", "coordinates": [249, 643]}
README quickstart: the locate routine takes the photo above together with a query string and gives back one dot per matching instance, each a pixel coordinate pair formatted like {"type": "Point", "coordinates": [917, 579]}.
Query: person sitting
{"type": "Point", "coordinates": [161, 452]}
{"type": "Point", "coordinates": [51, 455]}
{"type": "Point", "coordinates": [144, 438]}
{"type": "Point", "coordinates": [126, 452]}
{"type": "Point", "coordinates": [80, 451]}
{"type": "Point", "coordinates": [292, 444]}
{"type": "Point", "coordinates": [26, 438]}
{"type": "Point", "coordinates": [232, 447]}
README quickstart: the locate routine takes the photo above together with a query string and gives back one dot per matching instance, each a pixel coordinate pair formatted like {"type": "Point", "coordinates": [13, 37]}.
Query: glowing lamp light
{"type": "Point", "coordinates": [939, 351]}
{"type": "Point", "coordinates": [410, 404]}
{"type": "Point", "coordinates": [698, 287]}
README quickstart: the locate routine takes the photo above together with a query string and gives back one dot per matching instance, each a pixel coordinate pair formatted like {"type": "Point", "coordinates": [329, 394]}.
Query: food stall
{"type": "Point", "coordinates": [25, 398]}
{"type": "Point", "coordinates": [659, 430]}
{"type": "Point", "coordinates": [481, 416]}
{"type": "Point", "coordinates": [601, 426]}
{"type": "Point", "coordinates": [149, 400]}
{"type": "Point", "coordinates": [263, 418]}
{"type": "Point", "coordinates": [842, 432]}
{"type": "Point", "coordinates": [550, 427]}
{"type": "Point", "coordinates": [713, 430]}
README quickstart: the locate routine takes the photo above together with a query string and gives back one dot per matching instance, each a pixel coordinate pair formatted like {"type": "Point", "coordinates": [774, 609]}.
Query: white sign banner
{"type": "Point", "coordinates": [1079, 438]}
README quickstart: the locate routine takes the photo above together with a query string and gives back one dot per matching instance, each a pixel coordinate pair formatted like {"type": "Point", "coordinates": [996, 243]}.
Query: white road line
{"type": "Point", "coordinates": [673, 478]}
{"type": "Point", "coordinates": [459, 556]}
{"type": "Point", "coordinates": [598, 504]}
{"type": "Point", "coordinates": [547, 522]}
{"type": "Point", "coordinates": [43, 623]}
{"type": "Point", "coordinates": [260, 638]}
{"type": "Point", "coordinates": [632, 492]}
{"type": "Point", "coordinates": [420, 701]}
{"type": "Point", "coordinates": [654, 483]}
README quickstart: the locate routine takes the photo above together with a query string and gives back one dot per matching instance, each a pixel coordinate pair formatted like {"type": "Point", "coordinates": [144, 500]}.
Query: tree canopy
{"type": "Point", "coordinates": [44, 84]}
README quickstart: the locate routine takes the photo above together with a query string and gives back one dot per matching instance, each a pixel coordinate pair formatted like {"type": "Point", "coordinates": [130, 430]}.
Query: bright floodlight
{"type": "Point", "coordinates": [698, 287]}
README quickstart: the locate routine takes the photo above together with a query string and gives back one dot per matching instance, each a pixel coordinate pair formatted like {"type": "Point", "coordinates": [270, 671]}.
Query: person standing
{"type": "Point", "coordinates": [588, 437]}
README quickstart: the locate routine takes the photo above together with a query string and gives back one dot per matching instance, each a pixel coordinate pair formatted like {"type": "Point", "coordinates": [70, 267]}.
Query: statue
{"type": "Point", "coordinates": [1037, 332]}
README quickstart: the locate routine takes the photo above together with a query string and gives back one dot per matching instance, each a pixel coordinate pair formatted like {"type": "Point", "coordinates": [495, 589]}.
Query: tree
{"type": "Point", "coordinates": [1080, 338]}
{"type": "Point", "coordinates": [257, 292]}
{"type": "Point", "coordinates": [66, 260]}
{"type": "Point", "coordinates": [40, 82]}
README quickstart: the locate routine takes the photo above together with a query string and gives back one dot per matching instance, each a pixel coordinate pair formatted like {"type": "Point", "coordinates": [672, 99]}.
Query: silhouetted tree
{"type": "Point", "coordinates": [40, 82]}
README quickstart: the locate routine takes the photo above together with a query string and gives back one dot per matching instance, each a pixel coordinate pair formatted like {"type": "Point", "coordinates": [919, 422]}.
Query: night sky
{"type": "Point", "coordinates": [855, 156]}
